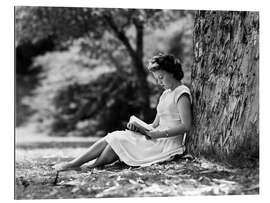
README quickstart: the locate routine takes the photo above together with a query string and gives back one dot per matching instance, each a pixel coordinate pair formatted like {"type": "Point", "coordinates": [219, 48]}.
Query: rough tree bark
{"type": "Point", "coordinates": [225, 85]}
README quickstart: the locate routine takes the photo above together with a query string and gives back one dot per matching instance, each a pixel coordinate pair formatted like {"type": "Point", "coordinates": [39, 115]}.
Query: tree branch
{"type": "Point", "coordinates": [120, 34]}
{"type": "Point", "coordinates": [139, 39]}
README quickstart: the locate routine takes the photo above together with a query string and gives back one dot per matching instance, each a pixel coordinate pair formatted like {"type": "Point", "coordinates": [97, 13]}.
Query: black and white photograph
{"type": "Point", "coordinates": [135, 102]}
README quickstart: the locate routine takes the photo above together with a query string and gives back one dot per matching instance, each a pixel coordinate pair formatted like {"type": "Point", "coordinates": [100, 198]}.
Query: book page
{"type": "Point", "coordinates": [135, 120]}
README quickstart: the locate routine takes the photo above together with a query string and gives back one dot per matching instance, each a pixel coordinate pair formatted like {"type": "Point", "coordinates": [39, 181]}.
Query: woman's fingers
{"type": "Point", "coordinates": [148, 136]}
{"type": "Point", "coordinates": [130, 126]}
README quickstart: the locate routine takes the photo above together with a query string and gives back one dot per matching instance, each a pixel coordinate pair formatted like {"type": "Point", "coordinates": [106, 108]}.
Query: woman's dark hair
{"type": "Point", "coordinates": [167, 63]}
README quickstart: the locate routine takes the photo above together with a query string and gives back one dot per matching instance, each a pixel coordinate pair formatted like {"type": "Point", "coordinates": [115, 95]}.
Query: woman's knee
{"type": "Point", "coordinates": [102, 142]}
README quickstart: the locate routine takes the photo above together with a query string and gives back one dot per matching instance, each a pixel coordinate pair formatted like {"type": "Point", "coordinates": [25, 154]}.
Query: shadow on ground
{"type": "Point", "coordinates": [35, 178]}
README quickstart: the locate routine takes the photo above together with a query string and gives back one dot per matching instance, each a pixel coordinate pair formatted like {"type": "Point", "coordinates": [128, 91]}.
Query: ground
{"type": "Point", "coordinates": [35, 178]}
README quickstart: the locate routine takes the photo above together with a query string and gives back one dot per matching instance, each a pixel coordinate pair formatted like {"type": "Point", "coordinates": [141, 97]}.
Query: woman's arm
{"type": "Point", "coordinates": [155, 122]}
{"type": "Point", "coordinates": [184, 109]}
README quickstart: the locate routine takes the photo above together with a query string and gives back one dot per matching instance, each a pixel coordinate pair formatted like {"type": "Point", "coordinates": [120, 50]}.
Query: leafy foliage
{"type": "Point", "coordinates": [111, 38]}
{"type": "Point", "coordinates": [103, 31]}
{"type": "Point", "coordinates": [71, 23]}
{"type": "Point", "coordinates": [99, 107]}
{"type": "Point", "coordinates": [79, 96]}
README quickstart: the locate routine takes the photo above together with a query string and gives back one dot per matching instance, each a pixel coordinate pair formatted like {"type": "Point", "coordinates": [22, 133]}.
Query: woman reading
{"type": "Point", "coordinates": [168, 130]}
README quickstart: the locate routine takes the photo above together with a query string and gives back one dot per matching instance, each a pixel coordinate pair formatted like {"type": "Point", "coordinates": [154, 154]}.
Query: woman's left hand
{"type": "Point", "coordinates": [154, 134]}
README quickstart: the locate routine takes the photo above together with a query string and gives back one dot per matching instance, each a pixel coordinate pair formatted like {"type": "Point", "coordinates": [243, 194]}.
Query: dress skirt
{"type": "Point", "coordinates": [135, 150]}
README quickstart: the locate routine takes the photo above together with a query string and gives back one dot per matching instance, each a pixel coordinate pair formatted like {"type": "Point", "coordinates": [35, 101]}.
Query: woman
{"type": "Point", "coordinates": [172, 121]}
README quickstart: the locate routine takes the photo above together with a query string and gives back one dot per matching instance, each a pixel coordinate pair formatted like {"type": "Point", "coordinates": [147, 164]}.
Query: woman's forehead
{"type": "Point", "coordinates": [159, 72]}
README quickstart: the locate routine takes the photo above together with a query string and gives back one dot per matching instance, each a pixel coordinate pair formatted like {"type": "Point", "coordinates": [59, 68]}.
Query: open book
{"type": "Point", "coordinates": [141, 125]}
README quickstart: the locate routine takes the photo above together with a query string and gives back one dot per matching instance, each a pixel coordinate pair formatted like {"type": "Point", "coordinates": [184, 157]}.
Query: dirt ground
{"type": "Point", "coordinates": [182, 176]}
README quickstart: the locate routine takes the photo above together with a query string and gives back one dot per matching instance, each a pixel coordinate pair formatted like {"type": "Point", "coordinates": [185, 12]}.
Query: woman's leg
{"type": "Point", "coordinates": [93, 152]}
{"type": "Point", "coordinates": [108, 156]}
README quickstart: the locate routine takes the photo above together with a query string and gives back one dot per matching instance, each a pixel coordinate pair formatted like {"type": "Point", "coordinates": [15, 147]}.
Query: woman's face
{"type": "Point", "coordinates": [163, 78]}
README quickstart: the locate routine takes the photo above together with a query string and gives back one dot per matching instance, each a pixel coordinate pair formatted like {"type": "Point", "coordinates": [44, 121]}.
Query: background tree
{"type": "Point", "coordinates": [225, 85]}
{"type": "Point", "coordinates": [113, 35]}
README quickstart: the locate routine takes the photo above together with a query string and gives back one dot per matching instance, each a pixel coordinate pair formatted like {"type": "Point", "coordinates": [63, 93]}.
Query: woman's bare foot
{"type": "Point", "coordinates": [65, 166]}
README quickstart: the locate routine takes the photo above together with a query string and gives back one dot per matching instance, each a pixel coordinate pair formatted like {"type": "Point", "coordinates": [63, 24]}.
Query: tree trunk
{"type": "Point", "coordinates": [137, 60]}
{"type": "Point", "coordinates": [225, 86]}
{"type": "Point", "coordinates": [144, 92]}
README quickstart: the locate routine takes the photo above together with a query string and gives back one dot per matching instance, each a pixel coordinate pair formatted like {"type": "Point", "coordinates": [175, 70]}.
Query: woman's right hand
{"type": "Point", "coordinates": [131, 127]}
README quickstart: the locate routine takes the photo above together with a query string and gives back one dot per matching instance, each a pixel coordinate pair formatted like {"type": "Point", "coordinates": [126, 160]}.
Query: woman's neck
{"type": "Point", "coordinates": [175, 84]}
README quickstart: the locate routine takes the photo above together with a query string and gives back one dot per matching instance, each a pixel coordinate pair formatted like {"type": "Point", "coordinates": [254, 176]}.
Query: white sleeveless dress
{"type": "Point", "coordinates": [135, 150]}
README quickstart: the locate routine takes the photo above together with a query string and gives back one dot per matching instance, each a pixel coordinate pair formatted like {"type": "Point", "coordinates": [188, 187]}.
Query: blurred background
{"type": "Point", "coordinates": [82, 71]}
